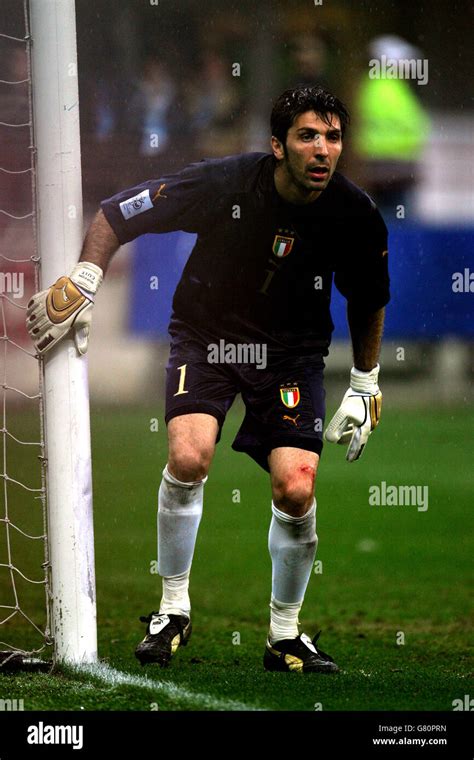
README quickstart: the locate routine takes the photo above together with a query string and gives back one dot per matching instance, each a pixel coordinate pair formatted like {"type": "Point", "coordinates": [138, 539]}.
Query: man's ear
{"type": "Point", "coordinates": [278, 149]}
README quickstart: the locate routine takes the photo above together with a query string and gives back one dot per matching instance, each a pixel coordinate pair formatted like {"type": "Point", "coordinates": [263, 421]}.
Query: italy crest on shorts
{"type": "Point", "coordinates": [290, 396]}
{"type": "Point", "coordinates": [282, 245]}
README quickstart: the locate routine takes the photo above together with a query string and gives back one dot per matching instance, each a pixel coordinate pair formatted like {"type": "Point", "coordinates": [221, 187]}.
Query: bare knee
{"type": "Point", "coordinates": [191, 441]}
{"type": "Point", "coordinates": [293, 491]}
{"type": "Point", "coordinates": [189, 464]}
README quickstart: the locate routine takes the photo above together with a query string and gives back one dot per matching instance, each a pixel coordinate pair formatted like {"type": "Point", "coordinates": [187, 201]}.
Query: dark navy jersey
{"type": "Point", "coordinates": [262, 268]}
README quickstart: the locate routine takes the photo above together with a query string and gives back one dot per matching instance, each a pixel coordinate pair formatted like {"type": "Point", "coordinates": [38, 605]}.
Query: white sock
{"type": "Point", "coordinates": [179, 515]}
{"type": "Point", "coordinates": [292, 543]}
{"type": "Point", "coordinates": [175, 599]}
{"type": "Point", "coordinates": [283, 620]}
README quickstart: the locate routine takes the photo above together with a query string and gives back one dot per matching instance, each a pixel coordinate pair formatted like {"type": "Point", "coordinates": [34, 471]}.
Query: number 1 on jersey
{"type": "Point", "coordinates": [182, 376]}
{"type": "Point", "coordinates": [267, 282]}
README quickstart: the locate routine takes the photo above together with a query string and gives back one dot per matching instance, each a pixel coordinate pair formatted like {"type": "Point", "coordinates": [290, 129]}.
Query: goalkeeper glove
{"type": "Point", "coordinates": [358, 414]}
{"type": "Point", "coordinates": [67, 304]}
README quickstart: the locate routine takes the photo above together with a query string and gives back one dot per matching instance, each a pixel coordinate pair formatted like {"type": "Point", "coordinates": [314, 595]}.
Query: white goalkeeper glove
{"type": "Point", "coordinates": [67, 304]}
{"type": "Point", "coordinates": [358, 414]}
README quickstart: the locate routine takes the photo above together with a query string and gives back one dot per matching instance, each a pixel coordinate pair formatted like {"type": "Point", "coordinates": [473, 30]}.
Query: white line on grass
{"type": "Point", "coordinates": [103, 672]}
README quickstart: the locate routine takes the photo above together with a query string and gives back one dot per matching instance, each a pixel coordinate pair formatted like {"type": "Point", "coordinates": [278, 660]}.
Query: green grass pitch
{"type": "Point", "coordinates": [392, 598]}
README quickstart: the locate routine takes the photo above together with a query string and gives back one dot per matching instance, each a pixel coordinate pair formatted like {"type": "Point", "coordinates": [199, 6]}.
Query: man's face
{"type": "Point", "coordinates": [312, 151]}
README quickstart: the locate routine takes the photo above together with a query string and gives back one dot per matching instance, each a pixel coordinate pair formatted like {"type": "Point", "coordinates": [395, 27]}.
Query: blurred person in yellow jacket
{"type": "Point", "coordinates": [391, 125]}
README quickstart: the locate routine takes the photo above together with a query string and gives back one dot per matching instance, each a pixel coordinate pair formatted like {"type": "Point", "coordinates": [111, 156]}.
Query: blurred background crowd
{"type": "Point", "coordinates": [165, 83]}
{"type": "Point", "coordinates": [202, 78]}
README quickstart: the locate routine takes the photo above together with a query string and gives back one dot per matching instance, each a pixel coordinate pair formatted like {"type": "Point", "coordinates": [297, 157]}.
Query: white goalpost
{"type": "Point", "coordinates": [66, 396]}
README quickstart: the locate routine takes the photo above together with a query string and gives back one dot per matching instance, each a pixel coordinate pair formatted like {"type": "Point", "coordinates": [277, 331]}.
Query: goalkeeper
{"type": "Point", "coordinates": [274, 231]}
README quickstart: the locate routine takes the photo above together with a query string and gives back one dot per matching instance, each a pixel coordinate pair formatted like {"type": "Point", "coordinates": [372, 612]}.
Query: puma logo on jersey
{"type": "Point", "coordinates": [292, 419]}
{"type": "Point", "coordinates": [158, 193]}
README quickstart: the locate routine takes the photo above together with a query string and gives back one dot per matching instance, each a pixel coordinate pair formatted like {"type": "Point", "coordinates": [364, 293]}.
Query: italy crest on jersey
{"type": "Point", "coordinates": [282, 245]}
{"type": "Point", "coordinates": [290, 396]}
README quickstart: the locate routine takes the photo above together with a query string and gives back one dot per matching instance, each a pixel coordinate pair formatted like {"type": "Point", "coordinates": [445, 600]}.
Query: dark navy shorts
{"type": "Point", "coordinates": [284, 402]}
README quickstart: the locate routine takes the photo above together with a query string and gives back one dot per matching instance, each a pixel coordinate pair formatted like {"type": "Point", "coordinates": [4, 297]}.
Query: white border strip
{"type": "Point", "coordinates": [112, 677]}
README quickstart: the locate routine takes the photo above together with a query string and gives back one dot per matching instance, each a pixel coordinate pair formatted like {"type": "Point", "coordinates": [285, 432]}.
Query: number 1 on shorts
{"type": "Point", "coordinates": [182, 376]}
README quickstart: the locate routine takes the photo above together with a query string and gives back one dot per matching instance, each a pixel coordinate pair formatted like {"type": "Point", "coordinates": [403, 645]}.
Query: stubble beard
{"type": "Point", "coordinates": [305, 189]}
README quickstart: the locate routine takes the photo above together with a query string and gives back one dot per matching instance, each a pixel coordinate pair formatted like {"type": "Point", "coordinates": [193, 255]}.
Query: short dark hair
{"type": "Point", "coordinates": [300, 99]}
